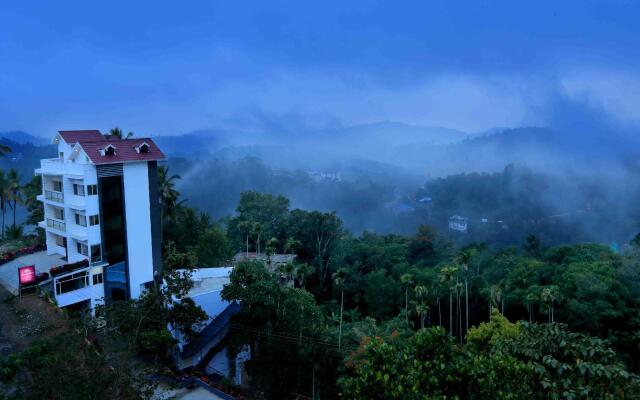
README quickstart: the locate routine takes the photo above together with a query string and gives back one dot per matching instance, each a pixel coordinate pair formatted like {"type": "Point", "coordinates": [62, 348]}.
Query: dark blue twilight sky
{"type": "Point", "coordinates": [162, 67]}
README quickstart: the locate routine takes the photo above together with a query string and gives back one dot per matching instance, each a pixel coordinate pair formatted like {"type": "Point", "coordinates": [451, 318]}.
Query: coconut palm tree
{"type": "Point", "coordinates": [421, 308]}
{"type": "Point", "coordinates": [167, 194]}
{"type": "Point", "coordinates": [548, 296]}
{"type": "Point", "coordinates": [447, 275]}
{"type": "Point", "coordinates": [117, 132]}
{"type": "Point", "coordinates": [14, 191]}
{"type": "Point", "coordinates": [466, 258]}
{"type": "Point", "coordinates": [303, 271]}
{"type": "Point", "coordinates": [4, 191]}
{"type": "Point", "coordinates": [339, 278]}
{"type": "Point", "coordinates": [406, 280]}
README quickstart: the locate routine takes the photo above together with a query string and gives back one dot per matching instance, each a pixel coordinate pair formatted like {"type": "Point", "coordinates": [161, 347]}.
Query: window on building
{"type": "Point", "coordinates": [82, 248]}
{"type": "Point", "coordinates": [60, 241]}
{"type": "Point", "coordinates": [81, 219]}
{"type": "Point", "coordinates": [58, 213]}
{"type": "Point", "coordinates": [71, 282]}
{"type": "Point", "coordinates": [92, 190]}
{"type": "Point", "coordinates": [61, 155]}
{"type": "Point", "coordinates": [94, 220]}
{"type": "Point", "coordinates": [97, 278]}
{"type": "Point", "coordinates": [143, 148]}
{"type": "Point", "coordinates": [78, 189]}
{"type": "Point", "coordinates": [110, 150]}
{"type": "Point", "coordinates": [96, 253]}
{"type": "Point", "coordinates": [57, 186]}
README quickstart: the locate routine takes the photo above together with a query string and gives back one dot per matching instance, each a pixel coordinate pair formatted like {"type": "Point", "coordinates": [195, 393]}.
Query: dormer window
{"type": "Point", "coordinates": [143, 148]}
{"type": "Point", "coordinates": [110, 150]}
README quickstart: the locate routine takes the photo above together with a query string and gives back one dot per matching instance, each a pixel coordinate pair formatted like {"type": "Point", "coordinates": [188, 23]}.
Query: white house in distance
{"type": "Point", "coordinates": [101, 214]}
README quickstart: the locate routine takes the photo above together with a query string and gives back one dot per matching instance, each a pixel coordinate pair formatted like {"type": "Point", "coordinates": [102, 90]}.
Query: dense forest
{"type": "Point", "coordinates": [539, 298]}
{"type": "Point", "coordinates": [393, 316]}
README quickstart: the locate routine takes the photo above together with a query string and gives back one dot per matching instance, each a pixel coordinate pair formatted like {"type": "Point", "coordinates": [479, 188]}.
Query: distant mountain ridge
{"type": "Point", "coordinates": [429, 150]}
{"type": "Point", "coordinates": [22, 137]}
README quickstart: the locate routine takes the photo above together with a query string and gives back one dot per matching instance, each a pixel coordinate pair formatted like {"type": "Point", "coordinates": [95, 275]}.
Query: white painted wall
{"type": "Point", "coordinates": [138, 218]}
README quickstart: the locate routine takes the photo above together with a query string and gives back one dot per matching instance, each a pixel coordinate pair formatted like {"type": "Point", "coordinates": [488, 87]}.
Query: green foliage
{"type": "Point", "coordinates": [259, 217]}
{"type": "Point", "coordinates": [143, 322]}
{"type": "Point", "coordinates": [483, 338]}
{"type": "Point", "coordinates": [570, 365]}
{"type": "Point", "coordinates": [501, 361]}
{"type": "Point", "coordinates": [66, 367]}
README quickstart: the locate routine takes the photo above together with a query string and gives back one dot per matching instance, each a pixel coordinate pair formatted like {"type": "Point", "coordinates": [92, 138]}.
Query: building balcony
{"type": "Point", "coordinates": [57, 167]}
{"type": "Point", "coordinates": [57, 197]}
{"type": "Point", "coordinates": [53, 224]}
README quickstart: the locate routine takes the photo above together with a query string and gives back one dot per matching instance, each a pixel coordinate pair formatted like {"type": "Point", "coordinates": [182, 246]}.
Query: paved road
{"type": "Point", "coordinates": [9, 271]}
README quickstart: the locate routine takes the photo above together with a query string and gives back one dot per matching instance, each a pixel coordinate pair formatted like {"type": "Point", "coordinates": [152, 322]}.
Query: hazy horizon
{"type": "Point", "coordinates": [289, 67]}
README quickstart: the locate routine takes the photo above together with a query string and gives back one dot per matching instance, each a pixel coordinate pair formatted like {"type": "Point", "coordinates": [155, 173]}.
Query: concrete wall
{"type": "Point", "coordinates": [138, 219]}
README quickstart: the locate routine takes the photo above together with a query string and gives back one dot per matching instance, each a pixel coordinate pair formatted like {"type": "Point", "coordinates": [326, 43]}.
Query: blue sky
{"type": "Point", "coordinates": [167, 67]}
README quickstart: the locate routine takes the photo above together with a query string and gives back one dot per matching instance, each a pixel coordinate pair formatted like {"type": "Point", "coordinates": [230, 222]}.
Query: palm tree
{"type": "Point", "coordinates": [117, 132]}
{"type": "Point", "coordinates": [291, 245]}
{"type": "Point", "coordinates": [466, 257]}
{"type": "Point", "coordinates": [245, 227]}
{"type": "Point", "coordinates": [548, 296]}
{"type": "Point", "coordinates": [167, 194]}
{"type": "Point", "coordinates": [287, 271]}
{"type": "Point", "coordinates": [421, 308]}
{"type": "Point", "coordinates": [14, 191]}
{"type": "Point", "coordinates": [4, 191]}
{"type": "Point", "coordinates": [302, 272]}
{"type": "Point", "coordinates": [406, 280]}
{"type": "Point", "coordinates": [446, 276]}
{"type": "Point", "coordinates": [339, 278]}
{"type": "Point", "coordinates": [31, 191]}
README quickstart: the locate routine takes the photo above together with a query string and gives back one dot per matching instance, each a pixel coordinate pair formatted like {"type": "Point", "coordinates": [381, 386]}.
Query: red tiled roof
{"type": "Point", "coordinates": [125, 150]}
{"type": "Point", "coordinates": [73, 137]}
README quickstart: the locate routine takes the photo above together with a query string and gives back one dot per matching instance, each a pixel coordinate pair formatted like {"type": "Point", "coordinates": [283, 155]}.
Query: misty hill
{"type": "Point", "coordinates": [385, 134]}
{"type": "Point", "coordinates": [21, 137]}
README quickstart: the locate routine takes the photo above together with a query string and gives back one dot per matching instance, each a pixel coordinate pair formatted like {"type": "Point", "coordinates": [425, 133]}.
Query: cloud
{"type": "Point", "coordinates": [615, 92]}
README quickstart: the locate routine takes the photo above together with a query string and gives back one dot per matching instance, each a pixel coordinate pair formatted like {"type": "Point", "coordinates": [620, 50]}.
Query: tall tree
{"type": "Point", "coordinates": [421, 308]}
{"type": "Point", "coordinates": [319, 234]}
{"type": "Point", "coordinates": [4, 194]}
{"type": "Point", "coordinates": [14, 191]}
{"type": "Point", "coordinates": [261, 216]}
{"type": "Point", "coordinates": [31, 191]}
{"type": "Point", "coordinates": [447, 275]}
{"type": "Point", "coordinates": [339, 278]}
{"type": "Point", "coordinates": [167, 194]}
{"type": "Point", "coordinates": [465, 258]}
{"type": "Point", "coordinates": [407, 281]}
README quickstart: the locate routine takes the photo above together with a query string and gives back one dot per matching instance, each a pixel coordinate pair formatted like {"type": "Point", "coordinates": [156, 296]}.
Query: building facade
{"type": "Point", "coordinates": [102, 216]}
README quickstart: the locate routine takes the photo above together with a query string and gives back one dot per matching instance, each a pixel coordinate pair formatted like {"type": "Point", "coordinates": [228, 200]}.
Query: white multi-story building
{"type": "Point", "coordinates": [101, 214]}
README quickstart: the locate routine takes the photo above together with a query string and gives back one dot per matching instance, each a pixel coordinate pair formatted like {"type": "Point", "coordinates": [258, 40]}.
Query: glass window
{"type": "Point", "coordinates": [82, 248]}
{"type": "Point", "coordinates": [60, 241]}
{"type": "Point", "coordinates": [78, 189]}
{"type": "Point", "coordinates": [58, 213]}
{"type": "Point", "coordinates": [81, 220]}
{"type": "Point", "coordinates": [72, 282]}
{"type": "Point", "coordinates": [96, 253]}
{"type": "Point", "coordinates": [57, 186]}
{"type": "Point", "coordinates": [92, 190]}
{"type": "Point", "coordinates": [94, 220]}
{"type": "Point", "coordinates": [97, 278]}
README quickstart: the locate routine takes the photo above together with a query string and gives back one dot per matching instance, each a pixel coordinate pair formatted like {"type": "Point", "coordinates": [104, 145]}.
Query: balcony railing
{"type": "Point", "coordinates": [54, 196]}
{"type": "Point", "coordinates": [52, 223]}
